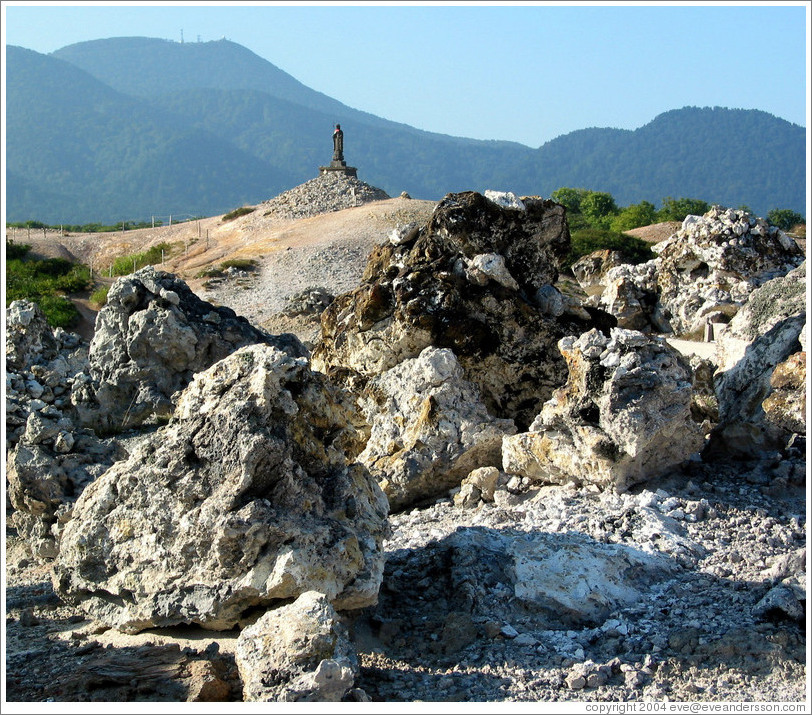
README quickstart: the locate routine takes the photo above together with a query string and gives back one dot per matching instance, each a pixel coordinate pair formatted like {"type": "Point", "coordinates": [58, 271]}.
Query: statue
{"type": "Point", "coordinates": [338, 163]}
{"type": "Point", "coordinates": [338, 144]}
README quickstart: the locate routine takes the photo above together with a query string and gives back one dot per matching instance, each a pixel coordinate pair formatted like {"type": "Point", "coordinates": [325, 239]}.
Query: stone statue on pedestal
{"type": "Point", "coordinates": [338, 163]}
{"type": "Point", "coordinates": [338, 144]}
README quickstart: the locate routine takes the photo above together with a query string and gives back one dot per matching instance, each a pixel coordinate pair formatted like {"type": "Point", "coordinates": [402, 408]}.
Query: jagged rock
{"type": "Point", "coordinates": [631, 296]}
{"type": "Point", "coordinates": [311, 301]}
{"type": "Point", "coordinates": [590, 270]}
{"type": "Point", "coordinates": [429, 428]}
{"type": "Point", "coordinates": [44, 482]}
{"type": "Point", "coordinates": [764, 333]}
{"type": "Point", "coordinates": [785, 406]}
{"type": "Point", "coordinates": [779, 602]}
{"type": "Point", "coordinates": [28, 337]}
{"type": "Point", "coordinates": [433, 291]}
{"type": "Point", "coordinates": [151, 337]}
{"type": "Point", "coordinates": [479, 484]}
{"type": "Point", "coordinates": [297, 653]}
{"type": "Point", "coordinates": [714, 262]}
{"type": "Point", "coordinates": [49, 458]}
{"type": "Point", "coordinates": [703, 272]}
{"type": "Point", "coordinates": [623, 416]}
{"type": "Point", "coordinates": [244, 499]}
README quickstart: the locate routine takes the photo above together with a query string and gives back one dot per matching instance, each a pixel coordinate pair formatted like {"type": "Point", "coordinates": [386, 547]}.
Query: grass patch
{"type": "Point", "coordinates": [236, 213]}
{"type": "Point", "coordinates": [241, 264]}
{"type": "Point", "coordinates": [124, 265]}
{"type": "Point", "coordinates": [46, 282]}
{"type": "Point", "coordinates": [99, 296]}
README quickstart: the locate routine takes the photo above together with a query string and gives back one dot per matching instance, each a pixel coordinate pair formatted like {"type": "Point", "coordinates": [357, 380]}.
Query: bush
{"type": "Point", "coordinates": [784, 219]}
{"type": "Point", "coordinates": [242, 264]}
{"type": "Point", "coordinates": [678, 209]}
{"type": "Point", "coordinates": [586, 241]}
{"type": "Point", "coordinates": [99, 296]}
{"type": "Point", "coordinates": [124, 265]}
{"type": "Point", "coordinates": [59, 311]}
{"type": "Point", "coordinates": [16, 251]}
{"type": "Point", "coordinates": [236, 213]}
{"type": "Point", "coordinates": [45, 282]}
{"type": "Point", "coordinates": [634, 216]}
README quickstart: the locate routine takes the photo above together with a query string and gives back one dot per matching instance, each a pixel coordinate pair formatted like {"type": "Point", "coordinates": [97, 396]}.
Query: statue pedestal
{"type": "Point", "coordinates": [339, 166]}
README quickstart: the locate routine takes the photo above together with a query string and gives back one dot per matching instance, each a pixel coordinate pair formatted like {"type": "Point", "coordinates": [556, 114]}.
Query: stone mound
{"type": "Point", "coordinates": [331, 191]}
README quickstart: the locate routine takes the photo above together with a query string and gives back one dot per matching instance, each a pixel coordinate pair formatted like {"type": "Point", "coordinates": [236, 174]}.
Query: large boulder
{"type": "Point", "coordinates": [702, 273]}
{"type": "Point", "coordinates": [151, 337]}
{"type": "Point", "coordinates": [477, 279]}
{"type": "Point", "coordinates": [764, 334]}
{"type": "Point", "coordinates": [623, 416]}
{"type": "Point", "coordinates": [708, 269]}
{"type": "Point", "coordinates": [300, 652]}
{"type": "Point", "coordinates": [429, 428]}
{"type": "Point", "coordinates": [47, 470]}
{"type": "Point", "coordinates": [49, 458]}
{"type": "Point", "coordinates": [243, 500]}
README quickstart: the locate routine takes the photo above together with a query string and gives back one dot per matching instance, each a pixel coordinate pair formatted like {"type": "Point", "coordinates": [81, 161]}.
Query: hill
{"type": "Point", "coordinates": [126, 128]}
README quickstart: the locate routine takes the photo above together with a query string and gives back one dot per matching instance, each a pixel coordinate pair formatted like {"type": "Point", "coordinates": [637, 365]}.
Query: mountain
{"type": "Point", "coordinates": [125, 128]}
{"type": "Point", "coordinates": [79, 151]}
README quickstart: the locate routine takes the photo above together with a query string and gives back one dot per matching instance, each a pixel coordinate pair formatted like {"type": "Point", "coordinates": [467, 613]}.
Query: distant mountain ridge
{"type": "Point", "coordinates": [125, 128]}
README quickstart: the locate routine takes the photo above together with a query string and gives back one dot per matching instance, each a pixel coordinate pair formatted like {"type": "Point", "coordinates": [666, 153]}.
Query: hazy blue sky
{"type": "Point", "coordinates": [526, 73]}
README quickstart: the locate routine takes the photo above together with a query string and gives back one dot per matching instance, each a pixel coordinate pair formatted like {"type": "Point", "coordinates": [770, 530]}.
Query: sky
{"type": "Point", "coordinates": [524, 72]}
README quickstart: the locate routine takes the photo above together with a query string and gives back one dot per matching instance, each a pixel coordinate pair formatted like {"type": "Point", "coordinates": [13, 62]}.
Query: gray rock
{"type": "Point", "coordinates": [418, 295]}
{"type": "Point", "coordinates": [764, 334]}
{"type": "Point", "coordinates": [779, 602]}
{"type": "Point", "coordinates": [429, 428]}
{"type": "Point", "coordinates": [297, 653]}
{"type": "Point", "coordinates": [244, 499]}
{"type": "Point", "coordinates": [624, 415]}
{"type": "Point", "coordinates": [151, 337]}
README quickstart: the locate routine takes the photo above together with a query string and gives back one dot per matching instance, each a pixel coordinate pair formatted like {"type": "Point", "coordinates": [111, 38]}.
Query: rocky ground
{"type": "Point", "coordinates": [446, 630]}
{"type": "Point", "coordinates": [683, 588]}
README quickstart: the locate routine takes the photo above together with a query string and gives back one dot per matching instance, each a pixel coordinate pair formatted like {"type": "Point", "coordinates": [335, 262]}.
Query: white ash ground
{"type": "Point", "coordinates": [697, 635]}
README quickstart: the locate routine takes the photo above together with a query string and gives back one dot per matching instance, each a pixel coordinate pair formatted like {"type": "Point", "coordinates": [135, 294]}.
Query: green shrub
{"type": "Point", "coordinates": [16, 250]}
{"type": "Point", "coordinates": [59, 311]}
{"type": "Point", "coordinates": [236, 213]}
{"type": "Point", "coordinates": [99, 296]}
{"type": "Point", "coordinates": [124, 265]}
{"type": "Point", "coordinates": [677, 209]}
{"type": "Point", "coordinates": [45, 282]}
{"type": "Point", "coordinates": [586, 241]}
{"type": "Point", "coordinates": [784, 219]}
{"type": "Point", "coordinates": [242, 264]}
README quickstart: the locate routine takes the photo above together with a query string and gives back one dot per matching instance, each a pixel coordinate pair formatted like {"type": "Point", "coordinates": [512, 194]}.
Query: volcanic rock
{"type": "Point", "coordinates": [245, 498]}
{"type": "Point", "coordinates": [716, 261]}
{"type": "Point", "coordinates": [151, 337]}
{"type": "Point", "coordinates": [50, 459]}
{"type": "Point", "coordinates": [764, 333]}
{"type": "Point", "coordinates": [429, 428]}
{"type": "Point", "coordinates": [623, 416]}
{"type": "Point", "coordinates": [466, 281]}
{"type": "Point", "coordinates": [297, 653]}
